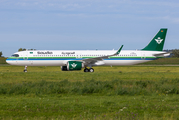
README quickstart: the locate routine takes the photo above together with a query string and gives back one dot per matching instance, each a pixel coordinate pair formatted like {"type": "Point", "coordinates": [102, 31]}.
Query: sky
{"type": "Point", "coordinates": [86, 24]}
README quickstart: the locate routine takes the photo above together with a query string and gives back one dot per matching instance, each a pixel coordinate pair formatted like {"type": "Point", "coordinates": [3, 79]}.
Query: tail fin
{"type": "Point", "coordinates": [156, 44]}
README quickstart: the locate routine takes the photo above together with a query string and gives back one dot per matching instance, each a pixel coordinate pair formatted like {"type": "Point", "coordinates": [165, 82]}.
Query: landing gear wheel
{"type": "Point", "coordinates": [91, 70]}
{"type": "Point", "coordinates": [86, 70]}
{"type": "Point", "coordinates": [25, 69]}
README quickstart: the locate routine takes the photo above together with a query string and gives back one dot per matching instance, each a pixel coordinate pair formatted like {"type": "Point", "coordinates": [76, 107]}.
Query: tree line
{"type": "Point", "coordinates": [1, 54]}
{"type": "Point", "coordinates": [20, 49]}
{"type": "Point", "coordinates": [23, 49]}
{"type": "Point", "coordinates": [175, 53]}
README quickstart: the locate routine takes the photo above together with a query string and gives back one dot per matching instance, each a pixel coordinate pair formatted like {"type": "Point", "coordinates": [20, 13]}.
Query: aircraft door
{"type": "Point", "coordinates": [25, 56]}
{"type": "Point", "coordinates": [143, 56]}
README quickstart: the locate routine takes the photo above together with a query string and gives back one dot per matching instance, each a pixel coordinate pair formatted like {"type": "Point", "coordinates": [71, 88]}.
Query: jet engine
{"type": "Point", "coordinates": [73, 65]}
{"type": "Point", "coordinates": [64, 68]}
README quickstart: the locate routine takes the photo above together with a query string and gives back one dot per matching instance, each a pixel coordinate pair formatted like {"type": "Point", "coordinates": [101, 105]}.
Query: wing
{"type": "Point", "coordinates": [96, 59]}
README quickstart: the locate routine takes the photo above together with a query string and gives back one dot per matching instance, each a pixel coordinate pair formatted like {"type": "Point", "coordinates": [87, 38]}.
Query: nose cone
{"type": "Point", "coordinates": [7, 60]}
{"type": "Point", "coordinates": [10, 61]}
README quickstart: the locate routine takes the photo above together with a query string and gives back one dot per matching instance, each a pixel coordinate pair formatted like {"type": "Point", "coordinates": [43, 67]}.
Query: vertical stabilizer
{"type": "Point", "coordinates": [157, 43]}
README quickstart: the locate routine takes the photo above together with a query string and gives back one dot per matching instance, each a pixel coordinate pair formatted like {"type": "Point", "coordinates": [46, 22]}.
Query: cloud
{"type": "Point", "coordinates": [97, 6]}
{"type": "Point", "coordinates": [172, 19]}
{"type": "Point", "coordinates": [135, 9]}
{"type": "Point", "coordinates": [171, 3]}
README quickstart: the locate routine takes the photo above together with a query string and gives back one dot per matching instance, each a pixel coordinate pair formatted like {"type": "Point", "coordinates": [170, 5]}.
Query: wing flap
{"type": "Point", "coordinates": [93, 60]}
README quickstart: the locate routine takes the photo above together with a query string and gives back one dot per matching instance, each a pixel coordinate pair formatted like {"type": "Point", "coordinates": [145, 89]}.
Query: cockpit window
{"type": "Point", "coordinates": [15, 55]}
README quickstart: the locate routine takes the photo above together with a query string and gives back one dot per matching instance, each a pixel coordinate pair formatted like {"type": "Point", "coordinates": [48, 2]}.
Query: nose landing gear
{"type": "Point", "coordinates": [25, 69]}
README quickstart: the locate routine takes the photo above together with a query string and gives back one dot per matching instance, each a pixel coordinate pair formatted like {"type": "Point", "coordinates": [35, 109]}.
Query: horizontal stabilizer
{"type": "Point", "coordinates": [162, 54]}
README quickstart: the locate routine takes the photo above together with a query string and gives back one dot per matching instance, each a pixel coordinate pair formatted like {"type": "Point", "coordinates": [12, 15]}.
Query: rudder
{"type": "Point", "coordinates": [157, 43]}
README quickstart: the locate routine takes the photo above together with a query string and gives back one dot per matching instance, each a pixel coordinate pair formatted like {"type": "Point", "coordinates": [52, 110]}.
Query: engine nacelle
{"type": "Point", "coordinates": [64, 68]}
{"type": "Point", "coordinates": [75, 65]}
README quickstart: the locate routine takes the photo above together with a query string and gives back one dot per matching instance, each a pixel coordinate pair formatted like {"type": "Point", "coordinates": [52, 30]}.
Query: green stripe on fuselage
{"type": "Point", "coordinates": [75, 57]}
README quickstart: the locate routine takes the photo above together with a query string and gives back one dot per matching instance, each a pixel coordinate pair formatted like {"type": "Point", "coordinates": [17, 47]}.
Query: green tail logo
{"type": "Point", "coordinates": [157, 43]}
{"type": "Point", "coordinates": [73, 65]}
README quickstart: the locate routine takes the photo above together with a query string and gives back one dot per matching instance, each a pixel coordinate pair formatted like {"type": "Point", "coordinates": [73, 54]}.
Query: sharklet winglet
{"type": "Point", "coordinates": [119, 50]}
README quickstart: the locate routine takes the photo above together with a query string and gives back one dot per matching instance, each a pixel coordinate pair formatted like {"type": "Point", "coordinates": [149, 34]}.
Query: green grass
{"type": "Point", "coordinates": [130, 92]}
{"type": "Point", "coordinates": [13, 74]}
{"type": "Point", "coordinates": [88, 87]}
{"type": "Point", "coordinates": [89, 107]}
{"type": "Point", "coordinates": [163, 61]}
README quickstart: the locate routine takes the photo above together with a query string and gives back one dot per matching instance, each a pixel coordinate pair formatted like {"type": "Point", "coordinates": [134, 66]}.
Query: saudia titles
{"type": "Point", "coordinates": [45, 52]}
{"type": "Point", "coordinates": [68, 53]}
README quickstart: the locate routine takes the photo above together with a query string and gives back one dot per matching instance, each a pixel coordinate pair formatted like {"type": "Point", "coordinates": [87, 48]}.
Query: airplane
{"type": "Point", "coordinates": [70, 60]}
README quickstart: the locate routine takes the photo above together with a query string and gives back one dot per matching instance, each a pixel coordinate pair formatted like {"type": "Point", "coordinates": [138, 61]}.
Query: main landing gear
{"type": "Point", "coordinates": [88, 70]}
{"type": "Point", "coordinates": [25, 69]}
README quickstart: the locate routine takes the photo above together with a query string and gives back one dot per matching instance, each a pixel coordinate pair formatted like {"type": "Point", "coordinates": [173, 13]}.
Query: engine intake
{"type": "Point", "coordinates": [64, 68]}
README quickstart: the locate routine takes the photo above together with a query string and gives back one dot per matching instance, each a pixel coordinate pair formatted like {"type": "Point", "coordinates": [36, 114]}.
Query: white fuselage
{"type": "Point", "coordinates": [61, 57]}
